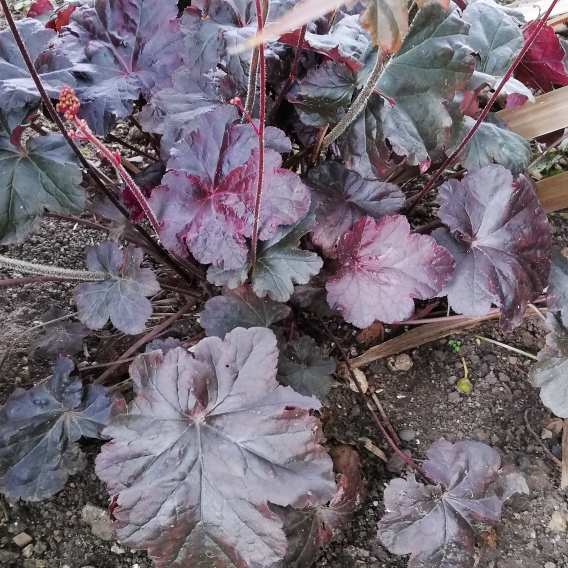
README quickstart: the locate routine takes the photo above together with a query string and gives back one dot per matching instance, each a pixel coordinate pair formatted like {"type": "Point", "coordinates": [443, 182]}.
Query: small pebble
{"type": "Point", "coordinates": [117, 549]}
{"type": "Point", "coordinates": [22, 539]}
{"type": "Point", "coordinates": [550, 565]}
{"type": "Point", "coordinates": [407, 434]}
{"type": "Point", "coordinates": [401, 362]}
{"type": "Point", "coordinates": [454, 397]}
{"type": "Point", "coordinates": [28, 551]}
{"type": "Point", "coordinates": [557, 522]}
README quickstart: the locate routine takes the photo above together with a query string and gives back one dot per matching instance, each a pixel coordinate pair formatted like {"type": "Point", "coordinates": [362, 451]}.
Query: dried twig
{"type": "Point", "coordinates": [539, 441]}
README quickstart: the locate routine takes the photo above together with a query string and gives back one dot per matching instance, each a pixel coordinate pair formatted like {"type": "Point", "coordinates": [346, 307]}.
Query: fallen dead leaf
{"type": "Point", "coordinates": [401, 362]}
{"type": "Point", "coordinates": [373, 449]}
{"type": "Point", "coordinates": [375, 333]}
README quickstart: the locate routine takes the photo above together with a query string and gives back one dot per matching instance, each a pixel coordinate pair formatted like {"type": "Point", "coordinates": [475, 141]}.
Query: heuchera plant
{"type": "Point", "coordinates": [284, 174]}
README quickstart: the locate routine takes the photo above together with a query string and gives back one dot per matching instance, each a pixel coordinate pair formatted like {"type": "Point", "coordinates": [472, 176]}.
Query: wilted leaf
{"type": "Point", "coordinates": [216, 438]}
{"type": "Point", "coordinates": [342, 197]}
{"type": "Point", "coordinates": [386, 21]}
{"type": "Point", "coordinates": [39, 430]}
{"type": "Point", "coordinates": [207, 199]}
{"type": "Point", "coordinates": [557, 299]}
{"type": "Point", "coordinates": [122, 297]}
{"type": "Point", "coordinates": [121, 50]}
{"type": "Point", "coordinates": [382, 267]}
{"type": "Point", "coordinates": [58, 337]}
{"type": "Point", "coordinates": [41, 175]}
{"type": "Point", "coordinates": [544, 64]}
{"type": "Point", "coordinates": [310, 529]}
{"type": "Point", "coordinates": [550, 374]}
{"type": "Point", "coordinates": [374, 333]}
{"type": "Point", "coordinates": [491, 143]}
{"type": "Point", "coordinates": [499, 236]}
{"type": "Point", "coordinates": [240, 307]}
{"type": "Point", "coordinates": [433, 63]}
{"type": "Point", "coordinates": [61, 18]}
{"type": "Point", "coordinates": [437, 524]}
{"type": "Point", "coordinates": [301, 367]}
{"type": "Point", "coordinates": [18, 94]}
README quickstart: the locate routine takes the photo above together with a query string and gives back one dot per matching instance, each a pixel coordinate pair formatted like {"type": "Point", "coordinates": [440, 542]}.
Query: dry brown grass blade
{"type": "Point", "coordinates": [553, 192]}
{"type": "Point", "coordinates": [301, 14]}
{"type": "Point", "coordinates": [548, 114]}
{"type": "Point", "coordinates": [419, 336]}
{"type": "Point", "coordinates": [564, 479]}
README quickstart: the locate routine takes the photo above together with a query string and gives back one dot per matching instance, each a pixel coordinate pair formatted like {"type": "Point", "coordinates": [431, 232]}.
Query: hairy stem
{"type": "Point", "coordinates": [486, 110]}
{"type": "Point", "coordinates": [160, 251]}
{"type": "Point", "coordinates": [365, 403]}
{"type": "Point", "coordinates": [146, 339]}
{"type": "Point", "coordinates": [358, 106]}
{"type": "Point", "coordinates": [78, 220]}
{"type": "Point", "coordinates": [52, 271]}
{"type": "Point", "coordinates": [6, 282]}
{"type": "Point", "coordinates": [251, 87]}
{"type": "Point", "coordinates": [261, 117]}
{"type": "Point", "coordinates": [293, 73]}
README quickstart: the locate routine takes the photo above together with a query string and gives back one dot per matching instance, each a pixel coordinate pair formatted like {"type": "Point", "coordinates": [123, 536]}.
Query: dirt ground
{"type": "Point", "coordinates": [66, 531]}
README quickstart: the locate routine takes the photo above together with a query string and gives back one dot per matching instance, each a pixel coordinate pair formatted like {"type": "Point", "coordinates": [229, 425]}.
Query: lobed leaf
{"type": "Point", "coordinates": [217, 439]}
{"type": "Point", "coordinates": [312, 528]}
{"type": "Point", "coordinates": [19, 96]}
{"type": "Point", "coordinates": [545, 63]}
{"type": "Point", "coordinates": [39, 431]}
{"type": "Point", "coordinates": [437, 524]}
{"type": "Point", "coordinates": [121, 50]}
{"type": "Point", "coordinates": [550, 372]}
{"type": "Point", "coordinates": [302, 367]}
{"type": "Point", "coordinates": [58, 337]}
{"type": "Point", "coordinates": [557, 297]}
{"type": "Point", "coordinates": [342, 197]}
{"type": "Point", "coordinates": [240, 307]}
{"type": "Point", "coordinates": [123, 296]}
{"type": "Point", "coordinates": [433, 63]}
{"type": "Point", "coordinates": [207, 199]}
{"type": "Point", "coordinates": [382, 267]}
{"type": "Point", "coordinates": [499, 236]}
{"type": "Point", "coordinates": [491, 143]}
{"type": "Point", "coordinates": [36, 176]}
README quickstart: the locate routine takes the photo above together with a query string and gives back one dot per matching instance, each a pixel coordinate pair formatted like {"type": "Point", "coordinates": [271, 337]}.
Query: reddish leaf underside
{"type": "Point", "coordinates": [206, 444]}
{"type": "Point", "coordinates": [545, 63]}
{"type": "Point", "coordinates": [382, 267]}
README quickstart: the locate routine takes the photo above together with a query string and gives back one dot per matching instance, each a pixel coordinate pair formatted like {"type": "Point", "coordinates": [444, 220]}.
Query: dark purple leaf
{"type": "Point", "coordinates": [39, 430]}
{"type": "Point", "coordinates": [434, 62]}
{"type": "Point", "coordinates": [545, 63]}
{"type": "Point", "coordinates": [217, 439]}
{"type": "Point", "coordinates": [121, 49]}
{"type": "Point", "coordinates": [302, 367]}
{"type": "Point", "coordinates": [310, 529]}
{"type": "Point", "coordinates": [550, 374]}
{"type": "Point", "coordinates": [122, 297]}
{"type": "Point", "coordinates": [491, 143]}
{"type": "Point", "coordinates": [557, 299]}
{"type": "Point", "coordinates": [171, 110]}
{"type": "Point", "coordinates": [346, 41]}
{"type": "Point", "coordinates": [41, 176]}
{"type": "Point", "coordinates": [164, 345]}
{"type": "Point", "coordinates": [364, 145]}
{"type": "Point", "coordinates": [207, 199]}
{"type": "Point", "coordinates": [240, 308]}
{"type": "Point", "coordinates": [499, 236]}
{"type": "Point", "coordinates": [382, 267]}
{"type": "Point", "coordinates": [58, 337]}
{"type": "Point", "coordinates": [313, 296]}
{"type": "Point", "coordinates": [437, 524]}
{"type": "Point", "coordinates": [214, 26]}
{"type": "Point", "coordinates": [18, 93]}
{"type": "Point", "coordinates": [342, 197]}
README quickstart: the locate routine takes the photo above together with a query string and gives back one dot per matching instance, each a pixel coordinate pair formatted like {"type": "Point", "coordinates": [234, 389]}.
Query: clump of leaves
{"type": "Point", "coordinates": [436, 524]}
{"type": "Point", "coordinates": [191, 418]}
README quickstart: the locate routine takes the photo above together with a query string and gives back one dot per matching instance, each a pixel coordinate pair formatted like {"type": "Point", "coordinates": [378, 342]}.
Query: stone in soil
{"type": "Point", "coordinates": [22, 539]}
{"type": "Point", "coordinates": [99, 520]}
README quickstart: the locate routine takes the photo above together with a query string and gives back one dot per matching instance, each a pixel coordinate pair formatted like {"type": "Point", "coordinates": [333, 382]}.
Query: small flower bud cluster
{"type": "Point", "coordinates": [68, 103]}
